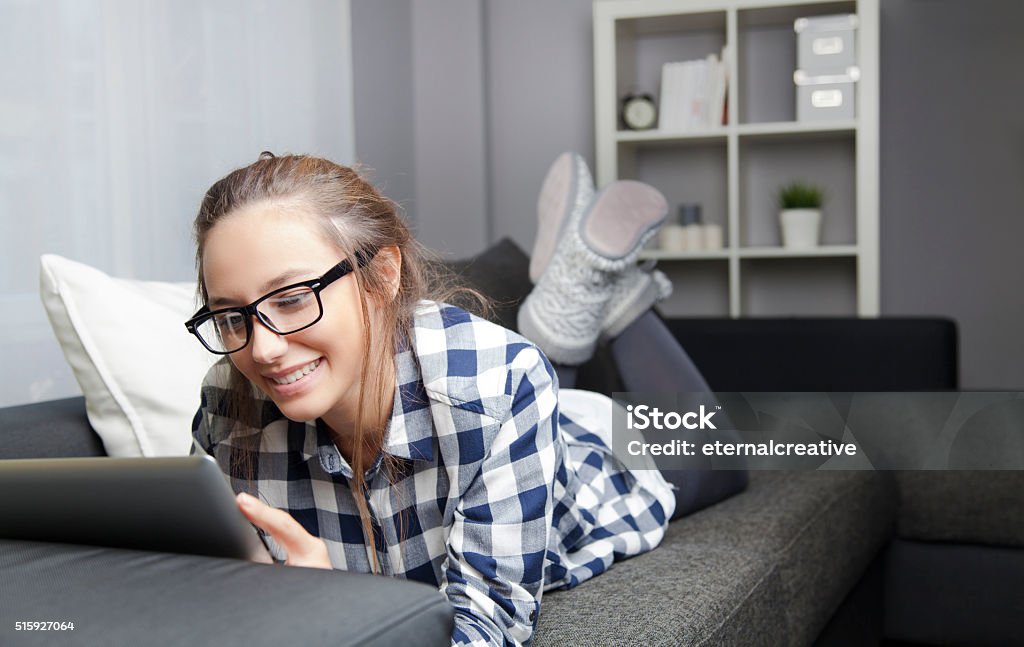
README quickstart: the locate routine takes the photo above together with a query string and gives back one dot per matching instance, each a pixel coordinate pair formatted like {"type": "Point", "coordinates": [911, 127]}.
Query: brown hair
{"type": "Point", "coordinates": [353, 216]}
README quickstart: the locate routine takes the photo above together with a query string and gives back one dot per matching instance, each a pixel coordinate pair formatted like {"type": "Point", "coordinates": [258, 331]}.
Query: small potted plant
{"type": "Point", "coordinates": [800, 214]}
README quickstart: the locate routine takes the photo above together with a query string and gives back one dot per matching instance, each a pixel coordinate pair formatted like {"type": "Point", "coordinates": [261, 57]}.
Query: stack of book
{"type": "Point", "coordinates": [693, 94]}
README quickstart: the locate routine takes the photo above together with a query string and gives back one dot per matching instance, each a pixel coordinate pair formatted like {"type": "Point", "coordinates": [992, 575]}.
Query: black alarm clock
{"type": "Point", "coordinates": [638, 112]}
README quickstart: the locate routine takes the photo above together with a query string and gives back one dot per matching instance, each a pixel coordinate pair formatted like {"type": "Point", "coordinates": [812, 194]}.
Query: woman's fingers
{"type": "Point", "coordinates": [303, 548]}
{"type": "Point", "coordinates": [282, 526]}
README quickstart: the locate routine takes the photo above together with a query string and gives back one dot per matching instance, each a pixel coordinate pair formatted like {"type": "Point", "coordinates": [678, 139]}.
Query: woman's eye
{"type": "Point", "coordinates": [231, 322]}
{"type": "Point", "coordinates": [293, 300]}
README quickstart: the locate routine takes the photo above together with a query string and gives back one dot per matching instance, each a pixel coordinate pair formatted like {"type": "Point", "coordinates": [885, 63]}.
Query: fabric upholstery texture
{"type": "Point", "coordinates": [766, 567]}
{"type": "Point", "coordinates": [957, 506]}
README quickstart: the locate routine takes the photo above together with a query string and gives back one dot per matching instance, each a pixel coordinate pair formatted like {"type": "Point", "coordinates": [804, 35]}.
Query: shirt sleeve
{"type": "Point", "coordinates": [201, 442]}
{"type": "Point", "coordinates": [196, 449]}
{"type": "Point", "coordinates": [494, 574]}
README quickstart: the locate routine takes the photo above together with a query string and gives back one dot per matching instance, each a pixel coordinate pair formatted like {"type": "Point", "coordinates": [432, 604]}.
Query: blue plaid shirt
{"type": "Point", "coordinates": [498, 497]}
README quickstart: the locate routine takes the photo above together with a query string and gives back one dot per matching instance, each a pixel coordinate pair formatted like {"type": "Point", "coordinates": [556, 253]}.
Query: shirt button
{"type": "Point", "coordinates": [329, 460]}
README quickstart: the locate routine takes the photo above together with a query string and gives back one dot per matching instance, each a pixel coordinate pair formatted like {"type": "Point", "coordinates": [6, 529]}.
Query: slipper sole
{"type": "Point", "coordinates": [622, 216]}
{"type": "Point", "coordinates": [553, 206]}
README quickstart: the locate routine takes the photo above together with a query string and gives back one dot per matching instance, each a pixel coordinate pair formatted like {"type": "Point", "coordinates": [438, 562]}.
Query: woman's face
{"type": "Point", "coordinates": [268, 245]}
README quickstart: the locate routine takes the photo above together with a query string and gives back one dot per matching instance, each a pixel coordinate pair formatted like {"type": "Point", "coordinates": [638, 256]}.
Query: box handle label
{"type": "Point", "coordinates": [826, 98]}
{"type": "Point", "coordinates": [826, 46]}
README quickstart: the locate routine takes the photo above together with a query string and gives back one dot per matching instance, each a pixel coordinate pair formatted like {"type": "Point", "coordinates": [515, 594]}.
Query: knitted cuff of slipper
{"type": "Point", "coordinates": [559, 345]}
{"type": "Point", "coordinates": [663, 283]}
{"type": "Point", "coordinates": [633, 294]}
{"type": "Point", "coordinates": [563, 313]}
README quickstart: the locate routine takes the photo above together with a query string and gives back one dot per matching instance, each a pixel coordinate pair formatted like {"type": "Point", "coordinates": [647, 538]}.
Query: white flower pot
{"type": "Point", "coordinates": [800, 227]}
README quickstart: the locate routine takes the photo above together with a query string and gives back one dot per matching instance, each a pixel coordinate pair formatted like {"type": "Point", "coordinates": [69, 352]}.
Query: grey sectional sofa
{"type": "Point", "coordinates": [797, 558]}
{"type": "Point", "coordinates": [845, 558]}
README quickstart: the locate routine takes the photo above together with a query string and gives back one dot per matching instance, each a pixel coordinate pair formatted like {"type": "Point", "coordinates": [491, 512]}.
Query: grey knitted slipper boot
{"type": "Point", "coordinates": [633, 293]}
{"type": "Point", "coordinates": [567, 190]}
{"type": "Point", "coordinates": [564, 313]}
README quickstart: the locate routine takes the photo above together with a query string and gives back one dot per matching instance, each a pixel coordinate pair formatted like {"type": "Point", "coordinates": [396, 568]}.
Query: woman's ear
{"type": "Point", "coordinates": [391, 267]}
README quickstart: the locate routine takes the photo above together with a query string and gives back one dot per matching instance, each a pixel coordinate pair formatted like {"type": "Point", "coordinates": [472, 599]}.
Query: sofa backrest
{"type": "Point", "coordinates": [822, 354]}
{"type": "Point", "coordinates": [54, 429]}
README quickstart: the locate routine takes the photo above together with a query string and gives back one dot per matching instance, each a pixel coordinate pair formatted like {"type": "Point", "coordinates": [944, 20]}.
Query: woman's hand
{"type": "Point", "coordinates": [303, 549]}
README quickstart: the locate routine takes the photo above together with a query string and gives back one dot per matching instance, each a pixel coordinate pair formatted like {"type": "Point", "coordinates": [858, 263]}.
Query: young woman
{"type": "Point", "coordinates": [368, 425]}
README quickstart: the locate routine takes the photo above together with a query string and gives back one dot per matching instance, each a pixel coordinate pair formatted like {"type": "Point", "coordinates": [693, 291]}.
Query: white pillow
{"type": "Point", "coordinates": [126, 342]}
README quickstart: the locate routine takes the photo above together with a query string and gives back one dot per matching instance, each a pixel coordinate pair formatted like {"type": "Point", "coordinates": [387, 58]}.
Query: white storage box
{"type": "Point", "coordinates": [828, 97]}
{"type": "Point", "coordinates": [826, 44]}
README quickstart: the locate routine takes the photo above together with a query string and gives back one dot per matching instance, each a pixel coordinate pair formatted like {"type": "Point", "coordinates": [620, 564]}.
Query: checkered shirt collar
{"type": "Point", "coordinates": [410, 431]}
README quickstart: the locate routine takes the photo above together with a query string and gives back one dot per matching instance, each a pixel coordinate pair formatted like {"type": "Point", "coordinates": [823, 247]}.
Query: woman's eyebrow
{"type": "Point", "coordinates": [277, 281]}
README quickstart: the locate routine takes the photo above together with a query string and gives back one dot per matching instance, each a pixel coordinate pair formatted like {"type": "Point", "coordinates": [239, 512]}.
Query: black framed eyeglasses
{"type": "Point", "coordinates": [284, 311]}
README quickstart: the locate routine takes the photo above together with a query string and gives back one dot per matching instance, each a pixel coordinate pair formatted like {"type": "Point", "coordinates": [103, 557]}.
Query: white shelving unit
{"type": "Point", "coordinates": [735, 170]}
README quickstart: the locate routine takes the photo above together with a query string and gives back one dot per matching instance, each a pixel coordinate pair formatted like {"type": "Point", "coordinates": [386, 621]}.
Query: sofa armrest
{"type": "Point", "coordinates": [127, 597]}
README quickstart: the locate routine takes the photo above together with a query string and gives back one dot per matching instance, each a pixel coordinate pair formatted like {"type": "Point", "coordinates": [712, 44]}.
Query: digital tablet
{"type": "Point", "coordinates": [177, 505]}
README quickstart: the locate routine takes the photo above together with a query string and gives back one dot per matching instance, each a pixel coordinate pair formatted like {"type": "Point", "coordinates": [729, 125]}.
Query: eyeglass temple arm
{"type": "Point", "coordinates": [362, 257]}
{"type": "Point", "coordinates": [189, 325]}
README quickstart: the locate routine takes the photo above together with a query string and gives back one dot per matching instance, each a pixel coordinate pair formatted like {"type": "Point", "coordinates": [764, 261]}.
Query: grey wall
{"type": "Point", "coordinates": [448, 100]}
{"type": "Point", "coordinates": [952, 175]}
{"type": "Point", "coordinates": [540, 89]}
{"type": "Point", "coordinates": [419, 106]}
{"type": "Point", "coordinates": [952, 142]}
{"type": "Point", "coordinates": [382, 79]}
{"type": "Point", "coordinates": [461, 105]}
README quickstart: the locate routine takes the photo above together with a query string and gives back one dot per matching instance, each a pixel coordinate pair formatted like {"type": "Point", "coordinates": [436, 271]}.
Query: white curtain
{"type": "Point", "coordinates": [116, 115]}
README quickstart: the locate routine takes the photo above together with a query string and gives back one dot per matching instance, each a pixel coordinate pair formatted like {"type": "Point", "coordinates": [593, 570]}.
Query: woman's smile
{"type": "Point", "coordinates": [294, 382]}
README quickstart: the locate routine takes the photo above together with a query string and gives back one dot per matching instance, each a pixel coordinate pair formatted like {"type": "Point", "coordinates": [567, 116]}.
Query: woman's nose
{"type": "Point", "coordinates": [267, 345]}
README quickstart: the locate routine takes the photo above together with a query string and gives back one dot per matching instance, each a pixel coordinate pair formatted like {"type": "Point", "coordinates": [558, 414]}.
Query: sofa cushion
{"type": "Point", "coordinates": [502, 273]}
{"type": "Point", "coordinates": [766, 567]}
{"type": "Point", "coordinates": [127, 597]}
{"type": "Point", "coordinates": [55, 429]}
{"type": "Point", "coordinates": [953, 594]}
{"type": "Point", "coordinates": [127, 345]}
{"type": "Point", "coordinates": [980, 507]}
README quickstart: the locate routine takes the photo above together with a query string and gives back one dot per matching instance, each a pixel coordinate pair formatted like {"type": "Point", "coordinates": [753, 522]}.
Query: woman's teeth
{"type": "Point", "coordinates": [297, 375]}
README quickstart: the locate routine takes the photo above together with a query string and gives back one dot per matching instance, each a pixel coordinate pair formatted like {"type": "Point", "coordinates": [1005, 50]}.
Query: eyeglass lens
{"type": "Point", "coordinates": [284, 313]}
